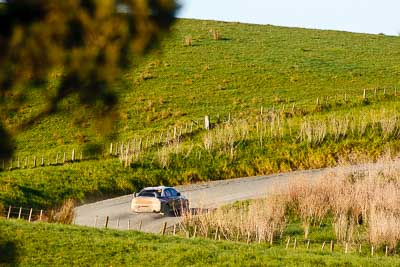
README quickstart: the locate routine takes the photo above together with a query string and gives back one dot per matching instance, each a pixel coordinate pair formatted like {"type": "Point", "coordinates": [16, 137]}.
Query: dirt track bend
{"type": "Point", "coordinates": [204, 195]}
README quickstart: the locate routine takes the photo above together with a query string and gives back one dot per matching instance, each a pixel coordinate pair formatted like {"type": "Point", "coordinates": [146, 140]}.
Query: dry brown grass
{"type": "Point", "coordinates": [261, 220]}
{"type": "Point", "coordinates": [364, 205]}
{"type": "Point", "coordinates": [65, 214]}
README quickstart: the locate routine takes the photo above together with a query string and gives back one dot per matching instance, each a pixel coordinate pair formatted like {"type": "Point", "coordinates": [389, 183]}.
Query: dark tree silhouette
{"type": "Point", "coordinates": [89, 42]}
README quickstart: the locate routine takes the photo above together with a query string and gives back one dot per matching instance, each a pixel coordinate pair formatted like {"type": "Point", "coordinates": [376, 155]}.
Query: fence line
{"type": "Point", "coordinates": [129, 151]}
{"type": "Point", "coordinates": [293, 243]}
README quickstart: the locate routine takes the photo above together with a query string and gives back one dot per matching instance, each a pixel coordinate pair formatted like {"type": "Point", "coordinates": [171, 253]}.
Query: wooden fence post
{"type": "Point", "coordinates": [34, 162]}
{"type": "Point", "coordinates": [346, 250]}
{"type": "Point", "coordinates": [287, 243]}
{"type": "Point", "coordinates": [372, 250]}
{"type": "Point", "coordinates": [332, 246]}
{"type": "Point", "coordinates": [174, 230]}
{"type": "Point", "coordinates": [164, 228]}
{"type": "Point", "coordinates": [194, 231]}
{"type": "Point", "coordinates": [216, 233]}
{"type": "Point", "coordinates": [9, 212]}
{"type": "Point", "coordinates": [42, 164]}
{"type": "Point", "coordinates": [65, 157]}
{"type": "Point", "coordinates": [19, 213]}
{"type": "Point", "coordinates": [18, 163]}
{"type": "Point", "coordinates": [129, 224]}
{"type": "Point", "coordinates": [323, 246]}
{"type": "Point", "coordinates": [359, 249]}
{"type": "Point", "coordinates": [295, 243]}
{"type": "Point", "coordinates": [40, 215]}
{"type": "Point", "coordinates": [73, 155]}
{"type": "Point", "coordinates": [118, 223]}
{"type": "Point", "coordinates": [365, 94]}
{"type": "Point", "coordinates": [386, 251]}
{"type": "Point", "coordinates": [308, 244]}
{"type": "Point", "coordinates": [140, 225]}
{"type": "Point", "coordinates": [30, 215]}
{"type": "Point", "coordinates": [106, 222]}
{"type": "Point", "coordinates": [95, 221]}
{"type": "Point", "coordinates": [207, 122]}
{"type": "Point", "coordinates": [26, 163]}
{"type": "Point", "coordinates": [111, 148]}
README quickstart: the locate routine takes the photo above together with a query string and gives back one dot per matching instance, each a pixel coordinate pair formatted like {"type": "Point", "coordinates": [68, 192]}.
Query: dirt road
{"type": "Point", "coordinates": [205, 195]}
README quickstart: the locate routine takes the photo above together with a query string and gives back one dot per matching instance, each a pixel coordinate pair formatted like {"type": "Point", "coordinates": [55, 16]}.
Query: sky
{"type": "Point", "coordinates": [365, 16]}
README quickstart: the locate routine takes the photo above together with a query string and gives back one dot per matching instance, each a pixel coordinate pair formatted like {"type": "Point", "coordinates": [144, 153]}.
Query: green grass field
{"type": "Point", "coordinates": [283, 70]}
{"type": "Point", "coordinates": [41, 244]}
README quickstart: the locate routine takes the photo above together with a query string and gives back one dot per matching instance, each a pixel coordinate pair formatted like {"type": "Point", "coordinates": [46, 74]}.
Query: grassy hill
{"type": "Point", "coordinates": [281, 70]}
{"type": "Point", "coordinates": [49, 244]}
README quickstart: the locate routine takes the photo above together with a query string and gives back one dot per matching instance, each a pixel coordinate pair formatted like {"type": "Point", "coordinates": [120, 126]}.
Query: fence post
{"type": "Point", "coordinates": [323, 246]}
{"type": "Point", "coordinates": [295, 243]}
{"type": "Point", "coordinates": [164, 228]}
{"type": "Point", "coordinates": [194, 231]}
{"type": "Point", "coordinates": [19, 213]}
{"type": "Point", "coordinates": [346, 250]}
{"type": "Point", "coordinates": [129, 224]}
{"type": "Point", "coordinates": [174, 230]}
{"type": "Point", "coordinates": [106, 222]}
{"type": "Point", "coordinates": [111, 148]}
{"type": "Point", "coordinates": [40, 215]}
{"type": "Point", "coordinates": [386, 251]}
{"type": "Point", "coordinates": [359, 249]}
{"type": "Point", "coordinates": [207, 122]}
{"type": "Point", "coordinates": [140, 225]}
{"type": "Point", "coordinates": [18, 163]}
{"type": "Point", "coordinates": [365, 94]}
{"type": "Point", "coordinates": [65, 157]}
{"type": "Point", "coordinates": [26, 163]}
{"type": "Point", "coordinates": [30, 215]}
{"type": "Point", "coordinates": [9, 212]}
{"type": "Point", "coordinates": [372, 250]}
{"type": "Point", "coordinates": [287, 243]}
{"type": "Point", "coordinates": [332, 246]}
{"type": "Point", "coordinates": [216, 233]}
{"type": "Point", "coordinates": [95, 221]}
{"type": "Point", "coordinates": [308, 244]}
{"type": "Point", "coordinates": [73, 155]}
{"type": "Point", "coordinates": [118, 223]}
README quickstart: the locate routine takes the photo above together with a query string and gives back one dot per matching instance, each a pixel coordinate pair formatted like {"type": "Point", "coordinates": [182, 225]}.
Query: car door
{"type": "Point", "coordinates": [168, 198]}
{"type": "Point", "coordinates": [176, 198]}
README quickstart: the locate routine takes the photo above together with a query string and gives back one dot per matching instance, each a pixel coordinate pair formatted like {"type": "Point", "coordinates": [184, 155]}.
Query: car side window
{"type": "Point", "coordinates": [167, 193]}
{"type": "Point", "coordinates": [174, 193]}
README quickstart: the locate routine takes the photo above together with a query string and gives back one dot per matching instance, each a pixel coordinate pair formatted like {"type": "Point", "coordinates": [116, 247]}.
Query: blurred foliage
{"type": "Point", "coordinates": [84, 43]}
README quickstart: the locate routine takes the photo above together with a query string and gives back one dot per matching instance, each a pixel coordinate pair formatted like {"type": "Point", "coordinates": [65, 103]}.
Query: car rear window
{"type": "Point", "coordinates": [149, 193]}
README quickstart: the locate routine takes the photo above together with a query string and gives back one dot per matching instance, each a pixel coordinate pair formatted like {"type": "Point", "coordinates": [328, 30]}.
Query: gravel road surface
{"type": "Point", "coordinates": [204, 195]}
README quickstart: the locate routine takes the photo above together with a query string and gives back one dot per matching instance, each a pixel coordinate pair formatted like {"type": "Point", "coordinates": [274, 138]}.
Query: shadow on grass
{"type": "Point", "coordinates": [8, 253]}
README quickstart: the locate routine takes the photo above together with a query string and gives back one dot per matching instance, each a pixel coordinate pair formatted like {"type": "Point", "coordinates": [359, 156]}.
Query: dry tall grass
{"type": "Point", "coordinates": [364, 206]}
{"type": "Point", "coordinates": [261, 220]}
{"type": "Point", "coordinates": [65, 214]}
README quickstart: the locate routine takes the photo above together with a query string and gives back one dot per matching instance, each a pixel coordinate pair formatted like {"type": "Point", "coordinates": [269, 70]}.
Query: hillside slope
{"type": "Point", "coordinates": [280, 99]}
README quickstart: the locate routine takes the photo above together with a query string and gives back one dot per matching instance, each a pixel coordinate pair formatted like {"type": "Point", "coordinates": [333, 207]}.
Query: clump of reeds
{"type": "Point", "coordinates": [216, 35]}
{"type": "Point", "coordinates": [188, 40]}
{"type": "Point", "coordinates": [65, 214]}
